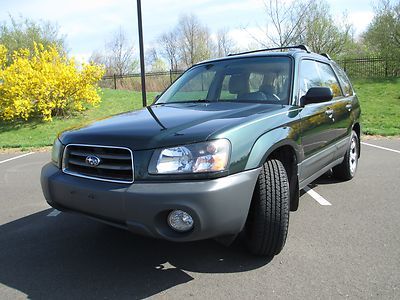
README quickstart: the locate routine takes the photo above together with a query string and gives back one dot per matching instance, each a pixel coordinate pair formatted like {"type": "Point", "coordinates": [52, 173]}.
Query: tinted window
{"type": "Point", "coordinates": [225, 93]}
{"type": "Point", "coordinates": [309, 76]}
{"type": "Point", "coordinates": [261, 79]}
{"type": "Point", "coordinates": [329, 79]}
{"type": "Point", "coordinates": [266, 86]}
{"type": "Point", "coordinates": [196, 88]}
{"type": "Point", "coordinates": [255, 81]}
{"type": "Point", "coordinates": [344, 81]}
{"type": "Point", "coordinates": [315, 74]}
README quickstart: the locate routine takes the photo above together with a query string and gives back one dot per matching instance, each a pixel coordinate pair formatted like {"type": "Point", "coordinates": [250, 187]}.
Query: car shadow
{"type": "Point", "coordinates": [69, 256]}
{"type": "Point", "coordinates": [325, 179]}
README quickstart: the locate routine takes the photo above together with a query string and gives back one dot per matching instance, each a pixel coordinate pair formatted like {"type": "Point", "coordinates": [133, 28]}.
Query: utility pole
{"type": "Point", "coordinates": [142, 70]}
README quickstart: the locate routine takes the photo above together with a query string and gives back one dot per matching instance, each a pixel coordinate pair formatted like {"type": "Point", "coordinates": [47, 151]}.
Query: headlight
{"type": "Point", "coordinates": [56, 152]}
{"type": "Point", "coordinates": [212, 156]}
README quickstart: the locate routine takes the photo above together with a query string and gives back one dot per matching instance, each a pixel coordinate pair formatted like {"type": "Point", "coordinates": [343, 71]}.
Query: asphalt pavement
{"type": "Point", "coordinates": [347, 246]}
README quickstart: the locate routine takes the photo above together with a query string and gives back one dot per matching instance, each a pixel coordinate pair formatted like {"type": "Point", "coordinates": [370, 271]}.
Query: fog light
{"type": "Point", "coordinates": [180, 221]}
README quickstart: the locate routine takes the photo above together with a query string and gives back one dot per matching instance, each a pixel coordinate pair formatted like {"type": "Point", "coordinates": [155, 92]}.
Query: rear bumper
{"type": "Point", "coordinates": [219, 207]}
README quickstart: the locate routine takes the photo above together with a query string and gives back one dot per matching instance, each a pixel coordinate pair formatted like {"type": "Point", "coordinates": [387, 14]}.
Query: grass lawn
{"type": "Point", "coordinates": [39, 134]}
{"type": "Point", "coordinates": [380, 104]}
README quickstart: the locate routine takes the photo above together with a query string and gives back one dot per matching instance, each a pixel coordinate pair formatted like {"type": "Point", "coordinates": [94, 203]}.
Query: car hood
{"type": "Point", "coordinates": [166, 125]}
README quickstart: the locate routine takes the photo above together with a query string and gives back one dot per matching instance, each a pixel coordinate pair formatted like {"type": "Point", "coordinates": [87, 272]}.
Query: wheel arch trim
{"type": "Point", "coordinates": [267, 144]}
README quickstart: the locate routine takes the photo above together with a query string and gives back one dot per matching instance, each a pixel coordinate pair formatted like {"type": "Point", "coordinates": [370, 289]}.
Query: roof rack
{"type": "Point", "coordinates": [302, 47]}
{"type": "Point", "coordinates": [326, 55]}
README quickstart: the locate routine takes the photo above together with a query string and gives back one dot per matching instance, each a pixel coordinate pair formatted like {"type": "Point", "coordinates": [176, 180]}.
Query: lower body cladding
{"type": "Point", "coordinates": [218, 207]}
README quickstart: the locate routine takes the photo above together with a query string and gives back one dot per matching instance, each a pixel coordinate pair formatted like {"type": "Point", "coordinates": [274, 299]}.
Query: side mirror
{"type": "Point", "coordinates": [156, 97]}
{"type": "Point", "coordinates": [317, 95]}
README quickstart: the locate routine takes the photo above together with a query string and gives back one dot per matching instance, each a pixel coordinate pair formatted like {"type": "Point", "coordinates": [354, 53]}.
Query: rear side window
{"type": "Point", "coordinates": [315, 74]}
{"type": "Point", "coordinates": [344, 81]}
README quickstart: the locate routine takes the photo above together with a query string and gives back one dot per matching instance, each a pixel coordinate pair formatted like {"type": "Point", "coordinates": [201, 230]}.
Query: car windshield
{"type": "Point", "coordinates": [258, 79]}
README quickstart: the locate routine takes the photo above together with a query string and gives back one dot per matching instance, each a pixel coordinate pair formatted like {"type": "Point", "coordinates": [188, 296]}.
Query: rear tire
{"type": "Point", "coordinates": [347, 169]}
{"type": "Point", "coordinates": [268, 220]}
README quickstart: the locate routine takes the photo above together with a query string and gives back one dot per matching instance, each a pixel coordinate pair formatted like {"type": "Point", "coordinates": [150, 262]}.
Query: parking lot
{"type": "Point", "coordinates": [343, 242]}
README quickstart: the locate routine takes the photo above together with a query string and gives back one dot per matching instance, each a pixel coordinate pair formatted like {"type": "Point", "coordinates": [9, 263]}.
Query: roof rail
{"type": "Point", "coordinates": [302, 47]}
{"type": "Point", "coordinates": [326, 55]}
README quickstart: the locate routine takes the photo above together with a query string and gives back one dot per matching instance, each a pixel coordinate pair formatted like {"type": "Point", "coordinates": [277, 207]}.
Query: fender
{"type": "Point", "coordinates": [270, 141]}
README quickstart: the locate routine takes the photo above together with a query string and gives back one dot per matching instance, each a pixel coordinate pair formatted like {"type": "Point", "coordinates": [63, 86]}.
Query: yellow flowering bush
{"type": "Point", "coordinates": [45, 83]}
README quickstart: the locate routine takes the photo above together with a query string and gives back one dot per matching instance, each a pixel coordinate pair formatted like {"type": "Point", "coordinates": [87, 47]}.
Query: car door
{"type": "Point", "coordinates": [316, 124]}
{"type": "Point", "coordinates": [340, 106]}
{"type": "Point", "coordinates": [345, 108]}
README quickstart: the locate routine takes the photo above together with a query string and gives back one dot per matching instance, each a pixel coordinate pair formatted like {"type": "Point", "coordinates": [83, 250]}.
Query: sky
{"type": "Point", "coordinates": [87, 24]}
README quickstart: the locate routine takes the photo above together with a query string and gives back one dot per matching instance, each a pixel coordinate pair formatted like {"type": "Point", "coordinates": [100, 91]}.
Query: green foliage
{"type": "Point", "coordinates": [158, 65]}
{"type": "Point", "coordinates": [24, 33]}
{"type": "Point", "coordinates": [383, 34]}
{"type": "Point", "coordinates": [322, 32]}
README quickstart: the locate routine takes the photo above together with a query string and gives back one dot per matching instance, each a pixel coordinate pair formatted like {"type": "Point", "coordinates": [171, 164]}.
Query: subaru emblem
{"type": "Point", "coordinates": [92, 160]}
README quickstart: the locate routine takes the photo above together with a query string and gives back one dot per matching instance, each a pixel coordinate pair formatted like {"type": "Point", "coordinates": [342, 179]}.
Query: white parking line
{"type": "Point", "coordinates": [16, 157]}
{"type": "Point", "coordinates": [380, 147]}
{"type": "Point", "coordinates": [54, 213]}
{"type": "Point", "coordinates": [317, 197]}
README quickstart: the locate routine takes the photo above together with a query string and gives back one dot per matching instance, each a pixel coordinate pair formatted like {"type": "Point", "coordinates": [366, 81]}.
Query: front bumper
{"type": "Point", "coordinates": [219, 207]}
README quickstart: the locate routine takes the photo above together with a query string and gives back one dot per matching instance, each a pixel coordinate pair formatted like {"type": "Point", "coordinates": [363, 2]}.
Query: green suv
{"type": "Point", "coordinates": [223, 151]}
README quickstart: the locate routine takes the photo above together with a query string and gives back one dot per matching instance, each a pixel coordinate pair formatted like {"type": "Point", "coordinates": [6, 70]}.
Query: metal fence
{"type": "Point", "coordinates": [367, 67]}
{"type": "Point", "coordinates": [155, 81]}
{"type": "Point", "coordinates": [370, 67]}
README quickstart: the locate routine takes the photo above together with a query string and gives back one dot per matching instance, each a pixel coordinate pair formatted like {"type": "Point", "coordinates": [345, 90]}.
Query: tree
{"type": "Point", "coordinates": [285, 22]}
{"type": "Point", "coordinates": [169, 48]}
{"type": "Point", "coordinates": [383, 34]}
{"type": "Point", "coordinates": [118, 57]}
{"type": "Point", "coordinates": [225, 45]}
{"type": "Point", "coordinates": [194, 40]}
{"type": "Point", "coordinates": [188, 43]}
{"type": "Point", "coordinates": [24, 33]}
{"type": "Point", "coordinates": [304, 22]}
{"type": "Point", "coordinates": [323, 33]}
{"type": "Point", "coordinates": [153, 62]}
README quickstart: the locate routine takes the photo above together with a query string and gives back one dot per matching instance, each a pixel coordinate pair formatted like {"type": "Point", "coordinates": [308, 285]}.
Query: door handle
{"type": "Point", "coordinates": [329, 113]}
{"type": "Point", "coordinates": [349, 107]}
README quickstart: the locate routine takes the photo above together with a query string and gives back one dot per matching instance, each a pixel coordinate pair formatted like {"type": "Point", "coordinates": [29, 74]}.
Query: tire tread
{"type": "Point", "coordinates": [268, 220]}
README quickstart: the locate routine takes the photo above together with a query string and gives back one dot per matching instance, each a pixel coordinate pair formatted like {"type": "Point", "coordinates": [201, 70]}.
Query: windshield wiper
{"type": "Point", "coordinates": [150, 110]}
{"type": "Point", "coordinates": [187, 101]}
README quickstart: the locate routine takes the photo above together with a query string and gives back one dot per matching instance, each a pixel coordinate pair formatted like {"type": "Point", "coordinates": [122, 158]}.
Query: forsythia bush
{"type": "Point", "coordinates": [45, 83]}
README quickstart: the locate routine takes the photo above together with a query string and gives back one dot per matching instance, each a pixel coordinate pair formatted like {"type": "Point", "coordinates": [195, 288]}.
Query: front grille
{"type": "Point", "coordinates": [115, 164]}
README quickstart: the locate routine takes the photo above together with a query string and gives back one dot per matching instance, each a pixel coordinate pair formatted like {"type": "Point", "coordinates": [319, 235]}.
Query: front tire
{"type": "Point", "coordinates": [268, 220]}
{"type": "Point", "coordinates": [347, 169]}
